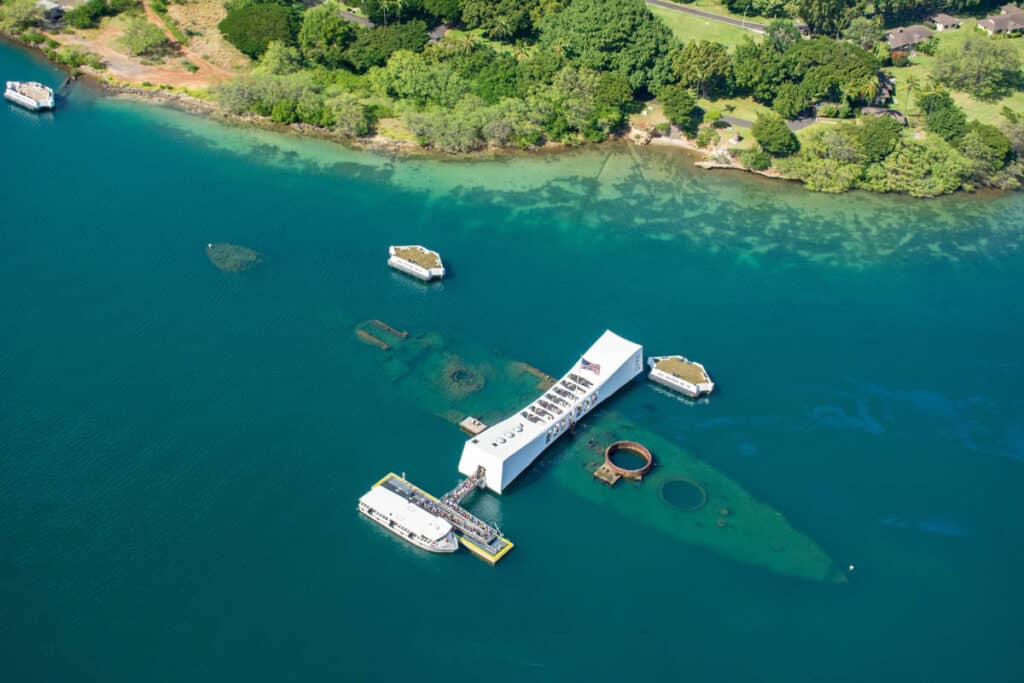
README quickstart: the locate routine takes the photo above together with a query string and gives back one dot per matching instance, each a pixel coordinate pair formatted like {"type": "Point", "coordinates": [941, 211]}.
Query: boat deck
{"type": "Point", "coordinates": [683, 369]}
{"type": "Point", "coordinates": [424, 258]}
{"type": "Point", "coordinates": [480, 538]}
{"type": "Point", "coordinates": [34, 91]}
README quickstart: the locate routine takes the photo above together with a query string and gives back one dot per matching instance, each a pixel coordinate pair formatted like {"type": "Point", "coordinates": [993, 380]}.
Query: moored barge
{"type": "Point", "coordinates": [418, 261]}
{"type": "Point", "coordinates": [680, 374]}
{"type": "Point", "coordinates": [30, 95]}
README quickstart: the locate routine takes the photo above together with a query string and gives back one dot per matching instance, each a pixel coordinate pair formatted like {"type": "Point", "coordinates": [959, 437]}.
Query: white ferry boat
{"type": "Point", "coordinates": [680, 374]}
{"type": "Point", "coordinates": [30, 95]}
{"type": "Point", "coordinates": [416, 260]}
{"type": "Point", "coordinates": [408, 521]}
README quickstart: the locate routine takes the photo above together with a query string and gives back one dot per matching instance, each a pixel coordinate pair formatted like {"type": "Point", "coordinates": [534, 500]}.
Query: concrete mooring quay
{"type": "Point", "coordinates": [480, 538]}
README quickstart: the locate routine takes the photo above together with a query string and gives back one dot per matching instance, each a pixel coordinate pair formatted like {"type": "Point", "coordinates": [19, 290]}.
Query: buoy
{"type": "Point", "coordinates": [852, 567]}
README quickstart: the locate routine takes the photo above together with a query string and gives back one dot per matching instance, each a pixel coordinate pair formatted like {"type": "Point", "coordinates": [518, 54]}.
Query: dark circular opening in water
{"type": "Point", "coordinates": [683, 494]}
{"type": "Point", "coordinates": [627, 459]}
{"type": "Point", "coordinates": [462, 377]}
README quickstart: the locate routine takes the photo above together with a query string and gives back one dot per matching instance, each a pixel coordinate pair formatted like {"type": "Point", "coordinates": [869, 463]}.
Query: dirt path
{"type": "Point", "coordinates": [211, 73]}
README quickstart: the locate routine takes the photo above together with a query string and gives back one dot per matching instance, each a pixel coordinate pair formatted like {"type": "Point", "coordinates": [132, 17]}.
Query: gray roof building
{"type": "Point", "coordinates": [904, 37]}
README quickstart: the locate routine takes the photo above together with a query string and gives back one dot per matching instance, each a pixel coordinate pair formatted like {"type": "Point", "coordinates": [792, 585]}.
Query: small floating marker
{"type": "Point", "coordinates": [852, 568]}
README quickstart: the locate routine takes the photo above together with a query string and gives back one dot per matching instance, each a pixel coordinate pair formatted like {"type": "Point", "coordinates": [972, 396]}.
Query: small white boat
{"type": "Point", "coordinates": [408, 521]}
{"type": "Point", "coordinates": [680, 374]}
{"type": "Point", "coordinates": [30, 95]}
{"type": "Point", "coordinates": [416, 260]}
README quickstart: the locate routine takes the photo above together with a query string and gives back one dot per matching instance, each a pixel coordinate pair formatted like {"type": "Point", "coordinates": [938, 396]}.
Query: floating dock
{"type": "Point", "coordinates": [475, 535]}
{"type": "Point", "coordinates": [472, 426]}
{"type": "Point", "coordinates": [418, 261]}
{"type": "Point", "coordinates": [681, 374]}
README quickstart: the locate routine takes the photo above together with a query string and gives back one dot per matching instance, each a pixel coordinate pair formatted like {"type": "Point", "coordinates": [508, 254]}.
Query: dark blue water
{"type": "Point", "coordinates": [181, 449]}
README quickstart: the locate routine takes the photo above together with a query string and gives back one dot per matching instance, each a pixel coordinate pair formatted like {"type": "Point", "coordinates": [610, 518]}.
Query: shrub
{"type": "Point", "coordinates": [86, 15]}
{"type": "Point", "coordinates": [928, 47]}
{"type": "Point", "coordinates": [899, 58]}
{"type": "Point", "coordinates": [251, 27]}
{"type": "Point", "coordinates": [755, 159]}
{"type": "Point", "coordinates": [771, 133]}
{"type": "Point", "coordinates": [20, 14]}
{"type": "Point", "coordinates": [679, 107]}
{"type": "Point", "coordinates": [143, 38]}
{"type": "Point", "coordinates": [33, 37]}
{"type": "Point", "coordinates": [663, 129]}
{"type": "Point", "coordinates": [835, 110]}
{"type": "Point", "coordinates": [707, 137]}
{"type": "Point", "coordinates": [189, 66]}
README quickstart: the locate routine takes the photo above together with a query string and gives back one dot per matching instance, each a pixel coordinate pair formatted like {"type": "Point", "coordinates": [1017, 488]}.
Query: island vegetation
{"type": "Point", "coordinates": [818, 96]}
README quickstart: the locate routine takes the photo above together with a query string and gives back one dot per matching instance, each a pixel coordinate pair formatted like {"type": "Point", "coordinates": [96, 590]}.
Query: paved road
{"type": "Point", "coordinates": [798, 124]}
{"type": "Point", "coordinates": [751, 26]}
{"type": "Point", "coordinates": [355, 18]}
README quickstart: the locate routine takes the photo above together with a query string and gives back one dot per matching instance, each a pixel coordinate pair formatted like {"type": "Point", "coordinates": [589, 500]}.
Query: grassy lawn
{"type": "Point", "coordinates": [921, 68]}
{"type": "Point", "coordinates": [740, 107]}
{"type": "Point", "coordinates": [687, 27]}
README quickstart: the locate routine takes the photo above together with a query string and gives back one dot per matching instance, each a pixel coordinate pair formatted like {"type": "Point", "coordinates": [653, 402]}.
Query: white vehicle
{"type": "Point", "coordinates": [408, 521]}
{"type": "Point", "coordinates": [30, 95]}
{"type": "Point", "coordinates": [680, 374]}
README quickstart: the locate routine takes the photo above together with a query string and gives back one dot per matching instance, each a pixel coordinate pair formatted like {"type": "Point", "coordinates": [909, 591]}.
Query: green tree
{"type": "Point", "coordinates": [444, 10]}
{"type": "Point", "coordinates": [942, 116]}
{"type": "Point", "coordinates": [781, 33]}
{"type": "Point", "coordinates": [924, 168]}
{"type": "Point", "coordinates": [863, 32]}
{"type": "Point", "coordinates": [280, 59]}
{"type": "Point", "coordinates": [350, 116]}
{"type": "Point", "coordinates": [824, 17]}
{"type": "Point", "coordinates": [251, 27]}
{"type": "Point", "coordinates": [612, 35]}
{"type": "Point", "coordinates": [679, 107]}
{"type": "Point", "coordinates": [757, 70]}
{"type": "Point", "coordinates": [143, 38]}
{"type": "Point", "coordinates": [21, 14]}
{"type": "Point", "coordinates": [704, 65]}
{"type": "Point", "coordinates": [987, 149]}
{"type": "Point", "coordinates": [986, 68]}
{"type": "Point", "coordinates": [771, 133]}
{"type": "Point", "coordinates": [791, 101]}
{"type": "Point", "coordinates": [878, 136]}
{"type": "Point", "coordinates": [372, 47]}
{"type": "Point", "coordinates": [324, 35]}
{"type": "Point", "coordinates": [86, 15]}
{"type": "Point", "coordinates": [500, 19]}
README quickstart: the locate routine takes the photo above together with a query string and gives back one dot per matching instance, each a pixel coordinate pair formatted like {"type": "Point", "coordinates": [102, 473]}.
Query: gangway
{"type": "Point", "coordinates": [482, 539]}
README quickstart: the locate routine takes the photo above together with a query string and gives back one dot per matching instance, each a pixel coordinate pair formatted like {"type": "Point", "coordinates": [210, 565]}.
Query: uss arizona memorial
{"type": "Point", "coordinates": [502, 452]}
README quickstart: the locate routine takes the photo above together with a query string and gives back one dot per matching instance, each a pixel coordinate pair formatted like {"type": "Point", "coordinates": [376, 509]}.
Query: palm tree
{"type": "Point", "coordinates": [912, 83]}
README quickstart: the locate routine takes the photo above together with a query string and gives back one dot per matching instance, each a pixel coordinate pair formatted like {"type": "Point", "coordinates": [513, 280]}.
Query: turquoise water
{"type": "Point", "coordinates": [181, 449]}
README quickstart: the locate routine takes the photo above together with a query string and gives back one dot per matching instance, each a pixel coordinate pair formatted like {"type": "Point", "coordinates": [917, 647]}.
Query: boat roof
{"type": "Point", "coordinates": [409, 515]}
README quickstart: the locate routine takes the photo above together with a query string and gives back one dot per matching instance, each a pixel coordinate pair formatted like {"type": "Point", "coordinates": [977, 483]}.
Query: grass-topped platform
{"type": "Point", "coordinates": [683, 369]}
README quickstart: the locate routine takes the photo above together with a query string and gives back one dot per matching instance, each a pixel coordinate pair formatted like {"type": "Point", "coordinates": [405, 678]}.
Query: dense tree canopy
{"type": "Point", "coordinates": [252, 26]}
{"type": "Point", "coordinates": [771, 133]}
{"type": "Point", "coordinates": [372, 47]}
{"type": "Point", "coordinates": [941, 115]}
{"type": "Point", "coordinates": [612, 35]}
{"type": "Point", "coordinates": [325, 35]}
{"type": "Point", "coordinates": [985, 68]}
{"type": "Point", "coordinates": [705, 66]}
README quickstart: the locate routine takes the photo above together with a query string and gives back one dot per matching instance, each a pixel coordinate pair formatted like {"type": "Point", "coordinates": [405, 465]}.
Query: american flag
{"type": "Point", "coordinates": [587, 365]}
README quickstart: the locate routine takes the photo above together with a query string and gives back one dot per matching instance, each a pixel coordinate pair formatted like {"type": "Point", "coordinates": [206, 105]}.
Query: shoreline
{"type": "Point", "coordinates": [174, 97]}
